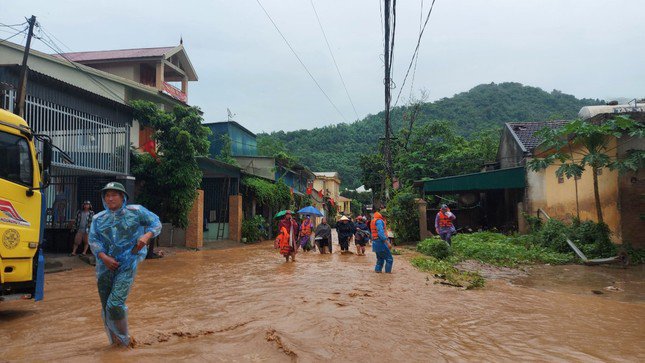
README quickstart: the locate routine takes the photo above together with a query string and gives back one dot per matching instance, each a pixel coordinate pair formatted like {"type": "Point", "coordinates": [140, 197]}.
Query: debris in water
{"type": "Point", "coordinates": [272, 336]}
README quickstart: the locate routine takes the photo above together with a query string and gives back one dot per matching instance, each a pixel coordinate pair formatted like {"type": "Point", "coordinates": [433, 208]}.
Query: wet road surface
{"type": "Point", "coordinates": [246, 304]}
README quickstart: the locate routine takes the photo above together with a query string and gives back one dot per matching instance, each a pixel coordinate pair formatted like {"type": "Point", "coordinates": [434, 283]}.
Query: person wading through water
{"type": "Point", "coordinates": [82, 226]}
{"type": "Point", "coordinates": [381, 243]}
{"type": "Point", "coordinates": [118, 238]}
{"type": "Point", "coordinates": [305, 234]}
{"type": "Point", "coordinates": [286, 240]}
{"type": "Point", "coordinates": [345, 229]}
{"type": "Point", "coordinates": [443, 224]}
{"type": "Point", "coordinates": [323, 236]}
{"type": "Point", "coordinates": [362, 235]}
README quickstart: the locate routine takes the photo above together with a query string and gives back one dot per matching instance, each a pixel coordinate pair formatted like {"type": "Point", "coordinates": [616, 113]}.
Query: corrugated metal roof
{"type": "Point", "coordinates": [591, 111]}
{"type": "Point", "coordinates": [327, 174]}
{"type": "Point", "coordinates": [511, 178]}
{"type": "Point", "coordinates": [115, 54]}
{"type": "Point", "coordinates": [525, 131]}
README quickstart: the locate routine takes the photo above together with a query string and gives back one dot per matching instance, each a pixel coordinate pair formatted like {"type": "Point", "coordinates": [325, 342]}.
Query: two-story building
{"type": "Point", "coordinates": [86, 112]}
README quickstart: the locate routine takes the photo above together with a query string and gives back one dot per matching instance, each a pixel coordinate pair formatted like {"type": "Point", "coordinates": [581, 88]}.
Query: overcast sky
{"type": "Point", "coordinates": [588, 48]}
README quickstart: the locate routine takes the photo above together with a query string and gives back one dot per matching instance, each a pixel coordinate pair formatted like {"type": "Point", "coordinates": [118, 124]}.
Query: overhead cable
{"type": "Point", "coordinates": [300, 61]}
{"type": "Point", "coordinates": [416, 52]}
{"type": "Point", "coordinates": [334, 59]}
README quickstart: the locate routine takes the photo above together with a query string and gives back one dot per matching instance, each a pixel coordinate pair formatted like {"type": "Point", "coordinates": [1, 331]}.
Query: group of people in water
{"type": "Point", "coordinates": [293, 236]}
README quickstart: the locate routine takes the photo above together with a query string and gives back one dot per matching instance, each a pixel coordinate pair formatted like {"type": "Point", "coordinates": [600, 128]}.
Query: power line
{"type": "Point", "coordinates": [416, 52]}
{"type": "Point", "coordinates": [58, 51]}
{"type": "Point", "coordinates": [12, 26]}
{"type": "Point", "coordinates": [14, 35]}
{"type": "Point", "coordinates": [334, 59]}
{"type": "Point", "coordinates": [300, 60]}
{"type": "Point", "coordinates": [416, 59]}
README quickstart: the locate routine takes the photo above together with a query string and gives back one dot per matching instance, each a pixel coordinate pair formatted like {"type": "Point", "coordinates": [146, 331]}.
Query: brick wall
{"type": "Point", "coordinates": [195, 230]}
{"type": "Point", "coordinates": [235, 218]}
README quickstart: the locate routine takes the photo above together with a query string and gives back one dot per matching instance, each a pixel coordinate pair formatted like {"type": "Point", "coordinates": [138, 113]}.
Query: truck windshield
{"type": "Point", "coordinates": [15, 159]}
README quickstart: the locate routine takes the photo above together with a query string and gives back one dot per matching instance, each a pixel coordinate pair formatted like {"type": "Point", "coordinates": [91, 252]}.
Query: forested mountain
{"type": "Point", "coordinates": [339, 147]}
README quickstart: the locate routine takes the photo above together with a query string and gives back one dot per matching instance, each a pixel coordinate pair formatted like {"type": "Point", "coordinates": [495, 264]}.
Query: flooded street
{"type": "Point", "coordinates": [246, 304]}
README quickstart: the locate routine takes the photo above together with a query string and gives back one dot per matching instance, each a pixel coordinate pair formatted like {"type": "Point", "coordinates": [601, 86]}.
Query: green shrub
{"type": "Point", "coordinates": [553, 235]}
{"type": "Point", "coordinates": [404, 216]}
{"type": "Point", "coordinates": [435, 248]}
{"type": "Point", "coordinates": [498, 249]}
{"type": "Point", "coordinates": [254, 229]}
{"type": "Point", "coordinates": [535, 223]}
{"type": "Point", "coordinates": [593, 239]}
{"type": "Point", "coordinates": [636, 256]}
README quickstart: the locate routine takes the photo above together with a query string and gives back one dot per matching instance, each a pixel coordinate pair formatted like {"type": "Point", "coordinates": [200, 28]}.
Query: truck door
{"type": "Point", "coordinates": [20, 206]}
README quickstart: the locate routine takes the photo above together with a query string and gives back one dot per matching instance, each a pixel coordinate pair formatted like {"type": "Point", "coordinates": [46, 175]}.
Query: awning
{"type": "Point", "coordinates": [511, 178]}
{"type": "Point", "coordinates": [216, 169]}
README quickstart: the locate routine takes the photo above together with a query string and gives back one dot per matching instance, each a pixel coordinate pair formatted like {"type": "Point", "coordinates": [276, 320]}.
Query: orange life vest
{"type": "Point", "coordinates": [305, 229]}
{"type": "Point", "coordinates": [283, 241]}
{"type": "Point", "coordinates": [377, 216]}
{"type": "Point", "coordinates": [444, 221]}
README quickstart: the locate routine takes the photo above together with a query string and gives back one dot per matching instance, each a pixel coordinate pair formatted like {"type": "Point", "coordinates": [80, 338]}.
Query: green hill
{"type": "Point", "coordinates": [338, 147]}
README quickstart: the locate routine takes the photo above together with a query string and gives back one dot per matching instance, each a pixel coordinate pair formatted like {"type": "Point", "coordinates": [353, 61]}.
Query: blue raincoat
{"type": "Point", "coordinates": [115, 233]}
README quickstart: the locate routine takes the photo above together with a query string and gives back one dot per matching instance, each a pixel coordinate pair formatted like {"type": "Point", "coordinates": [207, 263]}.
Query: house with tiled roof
{"type": "Point", "coordinates": [160, 67]}
{"type": "Point", "coordinates": [499, 196]}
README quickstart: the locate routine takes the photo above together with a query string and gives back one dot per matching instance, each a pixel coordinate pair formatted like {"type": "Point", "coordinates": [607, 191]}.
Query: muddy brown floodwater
{"type": "Point", "coordinates": [246, 304]}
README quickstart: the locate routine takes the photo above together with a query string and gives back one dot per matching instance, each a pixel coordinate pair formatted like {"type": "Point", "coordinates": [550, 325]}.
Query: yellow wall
{"type": "Point", "coordinates": [328, 184]}
{"type": "Point", "coordinates": [558, 200]}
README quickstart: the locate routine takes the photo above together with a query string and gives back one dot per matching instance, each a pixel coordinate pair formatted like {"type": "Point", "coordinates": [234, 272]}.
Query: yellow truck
{"type": "Point", "coordinates": [22, 208]}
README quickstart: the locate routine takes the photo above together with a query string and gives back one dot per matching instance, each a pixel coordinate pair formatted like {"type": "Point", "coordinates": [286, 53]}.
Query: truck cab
{"type": "Point", "coordinates": [21, 209]}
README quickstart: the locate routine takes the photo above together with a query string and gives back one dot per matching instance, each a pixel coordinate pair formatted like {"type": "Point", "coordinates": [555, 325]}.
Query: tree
{"type": "Point", "coordinates": [226, 155]}
{"type": "Point", "coordinates": [168, 184]}
{"type": "Point", "coordinates": [593, 138]}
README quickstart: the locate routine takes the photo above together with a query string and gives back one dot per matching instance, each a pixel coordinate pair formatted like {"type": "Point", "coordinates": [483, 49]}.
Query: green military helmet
{"type": "Point", "coordinates": [114, 186]}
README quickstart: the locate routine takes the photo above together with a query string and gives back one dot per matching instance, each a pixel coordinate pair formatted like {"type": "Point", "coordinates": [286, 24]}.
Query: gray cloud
{"type": "Point", "coordinates": [586, 48]}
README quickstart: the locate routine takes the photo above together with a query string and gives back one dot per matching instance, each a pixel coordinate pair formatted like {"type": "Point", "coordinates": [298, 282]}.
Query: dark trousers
{"type": "Point", "coordinates": [344, 243]}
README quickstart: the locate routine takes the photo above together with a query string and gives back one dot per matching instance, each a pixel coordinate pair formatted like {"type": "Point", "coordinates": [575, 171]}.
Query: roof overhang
{"type": "Point", "coordinates": [511, 178]}
{"type": "Point", "coordinates": [212, 168]}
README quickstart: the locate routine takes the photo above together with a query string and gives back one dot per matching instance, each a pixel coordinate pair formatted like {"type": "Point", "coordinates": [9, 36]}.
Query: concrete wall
{"type": "Point", "coordinates": [331, 185]}
{"type": "Point", "coordinates": [631, 187]}
{"type": "Point", "coordinates": [259, 166]}
{"type": "Point", "coordinates": [127, 71]}
{"type": "Point", "coordinates": [559, 199]}
{"type": "Point", "coordinates": [509, 154]}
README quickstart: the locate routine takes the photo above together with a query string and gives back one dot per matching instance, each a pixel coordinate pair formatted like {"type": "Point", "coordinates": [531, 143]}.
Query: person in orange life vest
{"type": "Point", "coordinates": [287, 237]}
{"type": "Point", "coordinates": [381, 244]}
{"type": "Point", "coordinates": [443, 224]}
{"type": "Point", "coordinates": [305, 233]}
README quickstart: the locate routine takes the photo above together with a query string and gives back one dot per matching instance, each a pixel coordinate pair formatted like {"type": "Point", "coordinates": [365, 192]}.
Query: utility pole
{"type": "Point", "coordinates": [388, 97]}
{"type": "Point", "coordinates": [19, 108]}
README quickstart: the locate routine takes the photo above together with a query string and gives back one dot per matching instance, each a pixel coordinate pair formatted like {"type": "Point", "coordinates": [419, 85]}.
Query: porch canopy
{"type": "Point", "coordinates": [216, 169]}
{"type": "Point", "coordinates": [511, 178]}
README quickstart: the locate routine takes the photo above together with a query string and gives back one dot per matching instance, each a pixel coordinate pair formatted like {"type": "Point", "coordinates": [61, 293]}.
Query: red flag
{"type": "Point", "coordinates": [149, 147]}
{"type": "Point", "coordinates": [320, 193]}
{"type": "Point", "coordinates": [331, 200]}
{"type": "Point", "coordinates": [309, 190]}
